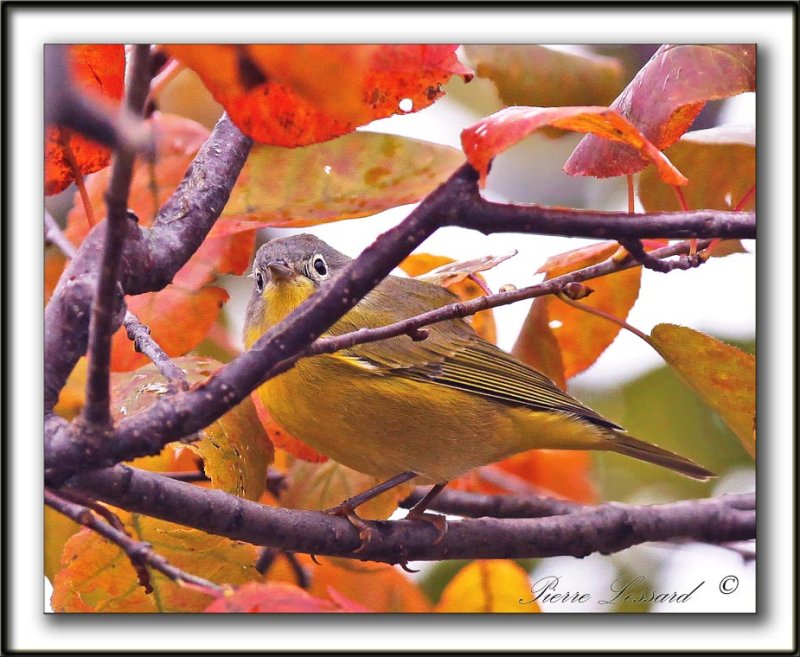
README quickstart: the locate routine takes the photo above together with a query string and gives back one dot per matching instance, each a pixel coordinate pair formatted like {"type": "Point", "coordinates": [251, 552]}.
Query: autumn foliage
{"type": "Point", "coordinates": [310, 165]}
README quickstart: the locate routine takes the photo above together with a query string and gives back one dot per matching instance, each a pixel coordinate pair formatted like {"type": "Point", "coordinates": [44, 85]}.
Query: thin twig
{"type": "Point", "coordinates": [636, 249]}
{"type": "Point", "coordinates": [54, 235]}
{"type": "Point", "coordinates": [144, 343]}
{"type": "Point", "coordinates": [96, 412]}
{"type": "Point", "coordinates": [139, 553]}
{"type": "Point", "coordinates": [477, 505]}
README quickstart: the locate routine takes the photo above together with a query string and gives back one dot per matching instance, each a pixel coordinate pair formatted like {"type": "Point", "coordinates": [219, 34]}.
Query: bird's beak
{"type": "Point", "coordinates": [280, 270]}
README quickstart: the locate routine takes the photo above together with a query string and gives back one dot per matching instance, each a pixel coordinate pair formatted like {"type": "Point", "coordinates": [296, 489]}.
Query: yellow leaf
{"type": "Point", "coordinates": [723, 376]}
{"type": "Point", "coordinates": [488, 586]}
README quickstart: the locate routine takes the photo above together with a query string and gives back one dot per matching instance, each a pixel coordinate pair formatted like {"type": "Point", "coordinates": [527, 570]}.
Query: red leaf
{"type": "Point", "coordinates": [663, 100]}
{"type": "Point", "coordinates": [277, 597]}
{"type": "Point", "coordinates": [303, 94]}
{"type": "Point", "coordinates": [98, 72]}
{"type": "Point", "coordinates": [494, 134]}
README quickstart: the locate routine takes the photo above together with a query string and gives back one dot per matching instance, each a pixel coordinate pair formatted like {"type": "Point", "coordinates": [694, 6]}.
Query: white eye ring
{"type": "Point", "coordinates": [319, 265]}
{"type": "Point", "coordinates": [259, 281]}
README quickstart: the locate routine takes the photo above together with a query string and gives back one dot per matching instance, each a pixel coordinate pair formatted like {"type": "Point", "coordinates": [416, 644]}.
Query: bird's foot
{"type": "Point", "coordinates": [439, 522]}
{"type": "Point", "coordinates": [365, 532]}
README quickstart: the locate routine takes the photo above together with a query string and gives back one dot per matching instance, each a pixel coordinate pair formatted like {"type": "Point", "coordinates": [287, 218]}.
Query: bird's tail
{"type": "Point", "coordinates": [622, 443]}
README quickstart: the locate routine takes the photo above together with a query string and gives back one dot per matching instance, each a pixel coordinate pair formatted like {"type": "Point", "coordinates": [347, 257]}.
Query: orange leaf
{"type": "Point", "coordinates": [282, 438]}
{"type": "Point", "coordinates": [560, 473]}
{"type": "Point", "coordinates": [721, 166]}
{"type": "Point", "coordinates": [98, 72]}
{"type": "Point", "coordinates": [378, 587]}
{"type": "Point", "coordinates": [178, 318]}
{"type": "Point", "coordinates": [498, 132]}
{"type": "Point", "coordinates": [664, 99]}
{"type": "Point", "coordinates": [97, 576]}
{"type": "Point", "coordinates": [277, 597]}
{"type": "Point", "coordinates": [582, 337]}
{"type": "Point", "coordinates": [418, 264]}
{"type": "Point", "coordinates": [299, 95]}
{"type": "Point", "coordinates": [486, 586]}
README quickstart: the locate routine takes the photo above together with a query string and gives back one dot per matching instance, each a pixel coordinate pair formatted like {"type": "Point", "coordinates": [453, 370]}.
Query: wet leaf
{"type": "Point", "coordinates": [498, 132]}
{"type": "Point", "coordinates": [488, 586]}
{"type": "Point", "coordinates": [97, 576]}
{"type": "Point", "coordinates": [541, 76]}
{"type": "Point", "coordinates": [98, 72]}
{"type": "Point", "coordinates": [277, 597]}
{"type": "Point", "coordinates": [356, 175]}
{"type": "Point", "coordinates": [235, 450]}
{"type": "Point", "coordinates": [295, 95]}
{"type": "Point", "coordinates": [664, 99]}
{"type": "Point", "coordinates": [723, 375]}
{"type": "Point", "coordinates": [720, 164]}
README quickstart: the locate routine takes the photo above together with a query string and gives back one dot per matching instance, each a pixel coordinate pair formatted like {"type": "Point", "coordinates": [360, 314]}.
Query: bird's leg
{"type": "Point", "coordinates": [417, 512]}
{"type": "Point", "coordinates": [347, 509]}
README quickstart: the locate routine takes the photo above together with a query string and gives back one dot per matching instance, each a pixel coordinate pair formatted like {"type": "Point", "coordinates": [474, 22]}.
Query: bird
{"type": "Point", "coordinates": [403, 408]}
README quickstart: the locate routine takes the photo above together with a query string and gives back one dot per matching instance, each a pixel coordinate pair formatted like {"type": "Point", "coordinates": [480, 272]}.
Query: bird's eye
{"type": "Point", "coordinates": [259, 281]}
{"type": "Point", "coordinates": [319, 265]}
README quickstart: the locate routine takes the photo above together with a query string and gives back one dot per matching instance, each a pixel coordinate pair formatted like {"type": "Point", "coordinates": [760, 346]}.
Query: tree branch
{"type": "Point", "coordinates": [108, 300]}
{"type": "Point", "coordinates": [143, 342]}
{"type": "Point", "coordinates": [183, 414]}
{"type": "Point", "coordinates": [152, 256]}
{"type": "Point", "coordinates": [606, 528]}
{"type": "Point", "coordinates": [140, 554]}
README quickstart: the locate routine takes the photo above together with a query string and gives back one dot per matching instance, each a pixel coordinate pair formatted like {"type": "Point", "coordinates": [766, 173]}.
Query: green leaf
{"type": "Point", "coordinates": [357, 175]}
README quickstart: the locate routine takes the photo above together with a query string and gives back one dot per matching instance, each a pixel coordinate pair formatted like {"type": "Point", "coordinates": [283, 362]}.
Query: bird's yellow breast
{"type": "Point", "coordinates": [383, 424]}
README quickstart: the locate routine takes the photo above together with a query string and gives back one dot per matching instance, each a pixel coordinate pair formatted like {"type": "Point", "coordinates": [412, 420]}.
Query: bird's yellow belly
{"type": "Point", "coordinates": [383, 425]}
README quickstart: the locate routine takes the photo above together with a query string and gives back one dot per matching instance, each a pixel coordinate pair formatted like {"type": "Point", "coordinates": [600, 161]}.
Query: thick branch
{"type": "Point", "coordinates": [606, 528]}
{"type": "Point", "coordinates": [476, 505]}
{"type": "Point", "coordinates": [488, 217]}
{"type": "Point", "coordinates": [151, 258]}
{"type": "Point", "coordinates": [107, 299]}
{"type": "Point", "coordinates": [147, 432]}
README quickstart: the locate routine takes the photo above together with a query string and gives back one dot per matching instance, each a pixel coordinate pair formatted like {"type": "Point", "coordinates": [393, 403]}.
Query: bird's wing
{"type": "Point", "coordinates": [452, 355]}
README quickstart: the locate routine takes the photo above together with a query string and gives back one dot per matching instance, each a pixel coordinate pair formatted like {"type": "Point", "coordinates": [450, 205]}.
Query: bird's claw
{"type": "Point", "coordinates": [439, 522]}
{"type": "Point", "coordinates": [365, 532]}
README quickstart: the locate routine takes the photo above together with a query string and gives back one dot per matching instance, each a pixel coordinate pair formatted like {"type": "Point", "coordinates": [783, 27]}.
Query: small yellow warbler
{"type": "Point", "coordinates": [436, 407]}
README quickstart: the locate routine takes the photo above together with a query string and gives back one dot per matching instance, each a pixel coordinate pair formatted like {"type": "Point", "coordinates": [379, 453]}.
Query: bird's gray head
{"type": "Point", "coordinates": [304, 255]}
{"type": "Point", "coordinates": [303, 260]}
